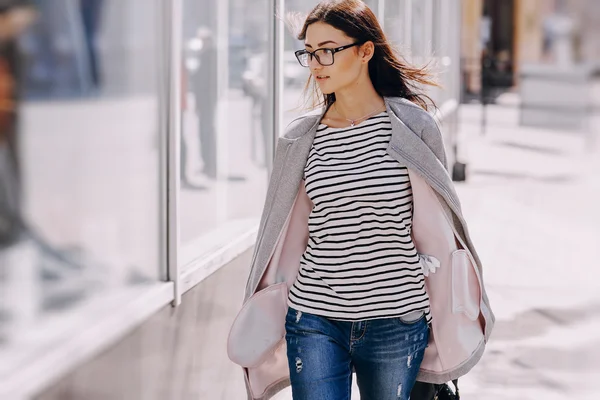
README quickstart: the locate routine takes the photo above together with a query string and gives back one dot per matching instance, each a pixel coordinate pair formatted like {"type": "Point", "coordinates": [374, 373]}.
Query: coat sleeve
{"type": "Point", "coordinates": [279, 154]}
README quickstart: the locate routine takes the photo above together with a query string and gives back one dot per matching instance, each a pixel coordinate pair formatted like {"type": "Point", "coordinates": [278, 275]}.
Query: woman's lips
{"type": "Point", "coordinates": [321, 78]}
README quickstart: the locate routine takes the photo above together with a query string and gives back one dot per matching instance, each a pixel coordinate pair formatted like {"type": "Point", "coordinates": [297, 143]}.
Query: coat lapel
{"type": "Point", "coordinates": [288, 171]}
{"type": "Point", "coordinates": [408, 149]}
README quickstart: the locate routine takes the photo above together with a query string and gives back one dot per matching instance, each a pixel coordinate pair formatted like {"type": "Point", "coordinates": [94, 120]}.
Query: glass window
{"type": "Point", "coordinates": [437, 21]}
{"type": "Point", "coordinates": [395, 24]}
{"type": "Point", "coordinates": [79, 157]}
{"type": "Point", "coordinates": [373, 5]}
{"type": "Point", "coordinates": [295, 76]}
{"type": "Point", "coordinates": [444, 49]}
{"type": "Point", "coordinates": [437, 27]}
{"type": "Point", "coordinates": [226, 137]}
{"type": "Point", "coordinates": [419, 25]}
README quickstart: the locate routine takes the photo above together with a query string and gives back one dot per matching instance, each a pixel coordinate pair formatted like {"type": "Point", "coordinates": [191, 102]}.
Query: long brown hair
{"type": "Point", "coordinates": [391, 76]}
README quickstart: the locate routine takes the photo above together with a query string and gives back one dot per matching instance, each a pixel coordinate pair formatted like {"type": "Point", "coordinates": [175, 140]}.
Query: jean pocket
{"type": "Point", "coordinates": [412, 318]}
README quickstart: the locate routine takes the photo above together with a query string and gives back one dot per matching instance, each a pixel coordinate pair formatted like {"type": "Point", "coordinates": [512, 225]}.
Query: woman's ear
{"type": "Point", "coordinates": [366, 51]}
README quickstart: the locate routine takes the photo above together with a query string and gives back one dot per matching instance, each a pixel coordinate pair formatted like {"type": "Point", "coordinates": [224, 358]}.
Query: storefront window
{"type": "Point", "coordinates": [395, 25]}
{"type": "Point", "coordinates": [420, 23]}
{"type": "Point", "coordinates": [226, 135]}
{"type": "Point", "coordinates": [295, 76]}
{"type": "Point", "coordinates": [82, 159]}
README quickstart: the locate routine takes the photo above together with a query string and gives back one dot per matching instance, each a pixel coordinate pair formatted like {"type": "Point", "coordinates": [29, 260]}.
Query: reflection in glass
{"type": "Point", "coordinates": [395, 25]}
{"type": "Point", "coordinates": [226, 138]}
{"type": "Point", "coordinates": [373, 5]}
{"type": "Point", "coordinates": [200, 103]}
{"type": "Point", "coordinates": [294, 75]}
{"type": "Point", "coordinates": [419, 25]}
{"type": "Point", "coordinates": [440, 54]}
{"type": "Point", "coordinates": [87, 145]}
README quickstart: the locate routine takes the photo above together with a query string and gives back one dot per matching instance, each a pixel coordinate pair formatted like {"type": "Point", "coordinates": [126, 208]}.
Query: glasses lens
{"type": "Point", "coordinates": [324, 56]}
{"type": "Point", "coordinates": [302, 57]}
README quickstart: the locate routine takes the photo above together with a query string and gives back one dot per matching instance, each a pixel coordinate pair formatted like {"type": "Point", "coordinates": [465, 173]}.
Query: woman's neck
{"type": "Point", "coordinates": [358, 101]}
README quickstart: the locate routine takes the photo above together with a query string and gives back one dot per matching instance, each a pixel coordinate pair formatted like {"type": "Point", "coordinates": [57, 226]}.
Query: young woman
{"type": "Point", "coordinates": [363, 261]}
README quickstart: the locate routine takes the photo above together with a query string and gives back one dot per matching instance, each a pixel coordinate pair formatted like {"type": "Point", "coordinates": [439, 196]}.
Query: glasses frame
{"type": "Point", "coordinates": [312, 54]}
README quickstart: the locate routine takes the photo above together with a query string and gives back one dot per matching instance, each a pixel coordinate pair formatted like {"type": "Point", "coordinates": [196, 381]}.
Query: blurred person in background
{"type": "Point", "coordinates": [199, 105]}
{"type": "Point", "coordinates": [205, 86]}
{"type": "Point", "coordinates": [363, 236]}
{"type": "Point", "coordinates": [254, 86]}
{"type": "Point", "coordinates": [15, 17]}
{"type": "Point", "coordinates": [91, 12]}
{"type": "Point", "coordinates": [61, 273]}
{"type": "Point", "coordinates": [60, 51]}
{"type": "Point", "coordinates": [558, 30]}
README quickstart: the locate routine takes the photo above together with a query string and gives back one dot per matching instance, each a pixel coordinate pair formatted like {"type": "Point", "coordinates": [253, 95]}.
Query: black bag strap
{"type": "Point", "coordinates": [444, 392]}
{"type": "Point", "coordinates": [455, 383]}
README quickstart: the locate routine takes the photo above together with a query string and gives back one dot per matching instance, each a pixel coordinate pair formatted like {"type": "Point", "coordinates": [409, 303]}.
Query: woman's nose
{"type": "Point", "coordinates": [314, 64]}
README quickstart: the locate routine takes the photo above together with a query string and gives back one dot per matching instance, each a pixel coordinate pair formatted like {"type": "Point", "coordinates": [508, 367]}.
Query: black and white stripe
{"type": "Point", "coordinates": [360, 262]}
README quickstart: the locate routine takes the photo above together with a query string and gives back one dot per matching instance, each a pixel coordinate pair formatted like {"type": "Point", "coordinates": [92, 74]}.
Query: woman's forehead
{"type": "Point", "coordinates": [320, 32]}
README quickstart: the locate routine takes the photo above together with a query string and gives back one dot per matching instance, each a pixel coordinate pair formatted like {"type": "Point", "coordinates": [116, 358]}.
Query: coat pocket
{"type": "Point", "coordinates": [465, 286]}
{"type": "Point", "coordinates": [259, 326]}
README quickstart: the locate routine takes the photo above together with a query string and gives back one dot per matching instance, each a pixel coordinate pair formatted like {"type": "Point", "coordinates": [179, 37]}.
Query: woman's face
{"type": "Point", "coordinates": [348, 64]}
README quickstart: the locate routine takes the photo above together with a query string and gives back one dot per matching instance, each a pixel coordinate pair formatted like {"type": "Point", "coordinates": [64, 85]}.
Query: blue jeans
{"type": "Point", "coordinates": [385, 354]}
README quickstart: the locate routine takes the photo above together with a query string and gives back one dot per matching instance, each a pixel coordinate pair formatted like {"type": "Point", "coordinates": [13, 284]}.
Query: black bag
{"type": "Point", "coordinates": [445, 393]}
{"type": "Point", "coordinates": [430, 391]}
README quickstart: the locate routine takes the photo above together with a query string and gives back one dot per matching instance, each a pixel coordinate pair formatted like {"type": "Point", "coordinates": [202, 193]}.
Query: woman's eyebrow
{"type": "Point", "coordinates": [320, 44]}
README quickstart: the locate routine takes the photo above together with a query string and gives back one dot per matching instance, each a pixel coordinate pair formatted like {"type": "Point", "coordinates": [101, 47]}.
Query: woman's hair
{"type": "Point", "coordinates": [390, 76]}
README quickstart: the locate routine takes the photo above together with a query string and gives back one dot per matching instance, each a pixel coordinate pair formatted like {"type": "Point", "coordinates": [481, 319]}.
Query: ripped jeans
{"type": "Point", "coordinates": [385, 354]}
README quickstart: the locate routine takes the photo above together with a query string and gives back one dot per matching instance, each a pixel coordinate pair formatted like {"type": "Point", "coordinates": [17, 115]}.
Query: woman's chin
{"type": "Point", "coordinates": [326, 90]}
{"type": "Point", "coordinates": [325, 87]}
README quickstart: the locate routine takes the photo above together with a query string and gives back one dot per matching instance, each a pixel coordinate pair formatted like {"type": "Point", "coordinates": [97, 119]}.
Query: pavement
{"type": "Point", "coordinates": [531, 203]}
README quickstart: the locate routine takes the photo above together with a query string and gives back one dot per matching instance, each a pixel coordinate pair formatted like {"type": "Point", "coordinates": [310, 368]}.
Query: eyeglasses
{"type": "Point", "coordinates": [324, 56]}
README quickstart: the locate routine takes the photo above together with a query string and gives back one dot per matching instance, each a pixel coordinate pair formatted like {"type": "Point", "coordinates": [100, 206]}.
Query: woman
{"type": "Point", "coordinates": [363, 260]}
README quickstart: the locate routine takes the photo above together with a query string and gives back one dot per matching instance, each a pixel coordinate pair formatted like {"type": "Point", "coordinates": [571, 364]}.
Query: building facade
{"type": "Point", "coordinates": [514, 33]}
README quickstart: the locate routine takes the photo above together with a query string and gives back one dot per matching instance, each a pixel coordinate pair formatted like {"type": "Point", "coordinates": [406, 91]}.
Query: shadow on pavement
{"type": "Point", "coordinates": [525, 176]}
{"type": "Point", "coordinates": [537, 321]}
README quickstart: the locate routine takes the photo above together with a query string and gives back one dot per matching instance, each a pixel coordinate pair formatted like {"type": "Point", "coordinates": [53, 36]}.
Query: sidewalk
{"type": "Point", "coordinates": [531, 203]}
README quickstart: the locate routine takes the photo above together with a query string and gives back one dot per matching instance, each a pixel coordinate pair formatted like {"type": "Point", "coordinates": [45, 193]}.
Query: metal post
{"type": "Point", "coordinates": [163, 61]}
{"type": "Point", "coordinates": [173, 143]}
{"type": "Point", "coordinates": [221, 31]}
{"type": "Point", "coordinates": [275, 75]}
{"type": "Point", "coordinates": [485, 89]}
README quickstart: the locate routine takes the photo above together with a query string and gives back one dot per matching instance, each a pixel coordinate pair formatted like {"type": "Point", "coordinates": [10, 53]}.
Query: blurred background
{"type": "Point", "coordinates": [136, 139]}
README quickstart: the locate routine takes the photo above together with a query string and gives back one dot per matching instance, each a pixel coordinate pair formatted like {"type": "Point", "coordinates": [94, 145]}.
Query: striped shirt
{"type": "Point", "coordinates": [360, 262]}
